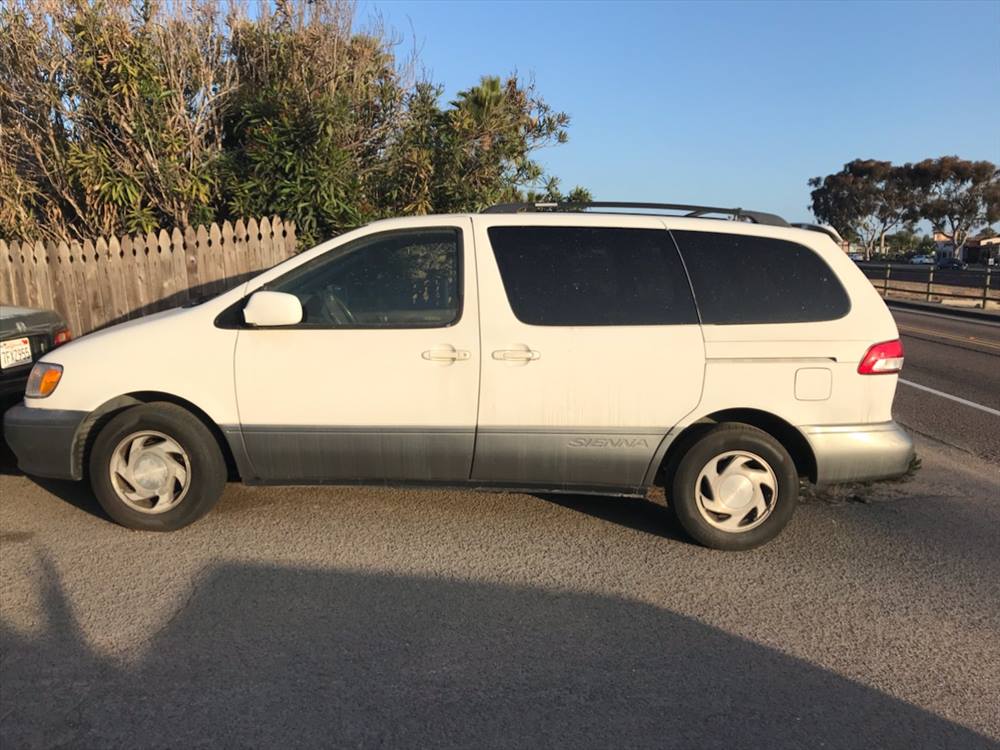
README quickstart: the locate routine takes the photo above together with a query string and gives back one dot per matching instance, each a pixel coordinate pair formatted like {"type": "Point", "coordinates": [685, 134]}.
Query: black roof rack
{"type": "Point", "coordinates": [738, 214]}
{"type": "Point", "coordinates": [830, 232]}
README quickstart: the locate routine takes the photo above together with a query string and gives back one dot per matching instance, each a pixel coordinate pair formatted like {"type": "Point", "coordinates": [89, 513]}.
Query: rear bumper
{"type": "Point", "coordinates": [859, 453]}
{"type": "Point", "coordinates": [12, 385]}
{"type": "Point", "coordinates": [44, 440]}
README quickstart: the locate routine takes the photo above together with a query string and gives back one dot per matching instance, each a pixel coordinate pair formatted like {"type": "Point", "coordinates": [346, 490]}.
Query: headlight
{"type": "Point", "coordinates": [43, 380]}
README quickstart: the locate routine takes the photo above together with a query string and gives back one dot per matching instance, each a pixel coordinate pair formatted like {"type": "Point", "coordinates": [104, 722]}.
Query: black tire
{"type": "Point", "coordinates": [207, 465]}
{"type": "Point", "coordinates": [719, 440]}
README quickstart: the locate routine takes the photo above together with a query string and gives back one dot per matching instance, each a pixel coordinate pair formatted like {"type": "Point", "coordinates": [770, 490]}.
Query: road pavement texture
{"type": "Point", "coordinates": [366, 616]}
{"type": "Point", "coordinates": [960, 358]}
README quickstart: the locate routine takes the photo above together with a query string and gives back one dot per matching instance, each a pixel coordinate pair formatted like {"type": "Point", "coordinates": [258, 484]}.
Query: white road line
{"type": "Point", "coordinates": [942, 394]}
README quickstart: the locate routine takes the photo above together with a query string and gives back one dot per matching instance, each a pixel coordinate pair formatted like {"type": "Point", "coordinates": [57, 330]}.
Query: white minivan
{"type": "Point", "coordinates": [597, 347]}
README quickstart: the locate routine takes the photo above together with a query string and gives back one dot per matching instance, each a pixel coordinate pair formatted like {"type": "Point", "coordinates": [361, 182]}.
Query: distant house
{"type": "Point", "coordinates": [975, 250]}
{"type": "Point", "coordinates": [982, 250]}
{"type": "Point", "coordinates": [945, 246]}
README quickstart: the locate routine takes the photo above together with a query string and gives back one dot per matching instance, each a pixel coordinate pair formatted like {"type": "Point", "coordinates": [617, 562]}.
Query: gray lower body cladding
{"type": "Point", "coordinates": [47, 443]}
{"type": "Point", "coordinates": [322, 454]}
{"type": "Point", "coordinates": [564, 458]}
{"type": "Point", "coordinates": [503, 456]}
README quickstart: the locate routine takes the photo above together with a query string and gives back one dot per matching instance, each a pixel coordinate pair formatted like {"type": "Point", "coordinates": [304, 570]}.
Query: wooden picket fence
{"type": "Point", "coordinates": [97, 283]}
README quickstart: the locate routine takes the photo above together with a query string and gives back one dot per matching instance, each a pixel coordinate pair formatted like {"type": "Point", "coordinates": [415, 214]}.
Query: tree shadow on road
{"type": "Point", "coordinates": [289, 657]}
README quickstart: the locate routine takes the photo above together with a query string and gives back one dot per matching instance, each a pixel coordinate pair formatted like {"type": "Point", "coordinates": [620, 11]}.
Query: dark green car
{"type": "Point", "coordinates": [25, 335]}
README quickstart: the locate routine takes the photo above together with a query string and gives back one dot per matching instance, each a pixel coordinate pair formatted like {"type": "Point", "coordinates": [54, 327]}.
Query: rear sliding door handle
{"type": "Point", "coordinates": [445, 353]}
{"type": "Point", "coordinates": [516, 355]}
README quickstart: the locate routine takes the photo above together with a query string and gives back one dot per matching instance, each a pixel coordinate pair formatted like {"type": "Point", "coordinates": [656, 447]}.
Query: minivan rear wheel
{"type": "Point", "coordinates": [735, 489]}
{"type": "Point", "coordinates": [156, 467]}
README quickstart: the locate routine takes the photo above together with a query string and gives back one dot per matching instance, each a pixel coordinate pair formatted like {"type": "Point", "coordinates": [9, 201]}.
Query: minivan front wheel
{"type": "Point", "coordinates": [736, 488]}
{"type": "Point", "coordinates": [156, 467]}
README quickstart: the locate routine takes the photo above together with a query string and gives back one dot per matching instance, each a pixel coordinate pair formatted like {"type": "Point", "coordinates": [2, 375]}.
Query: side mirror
{"type": "Point", "coordinates": [273, 309]}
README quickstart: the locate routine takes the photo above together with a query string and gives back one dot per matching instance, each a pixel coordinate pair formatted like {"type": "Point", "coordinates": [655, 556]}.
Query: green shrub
{"type": "Point", "coordinates": [115, 118]}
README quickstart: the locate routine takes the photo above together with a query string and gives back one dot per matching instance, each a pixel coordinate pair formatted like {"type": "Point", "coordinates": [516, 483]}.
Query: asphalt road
{"type": "Point", "coordinates": [958, 357]}
{"type": "Point", "coordinates": [378, 617]}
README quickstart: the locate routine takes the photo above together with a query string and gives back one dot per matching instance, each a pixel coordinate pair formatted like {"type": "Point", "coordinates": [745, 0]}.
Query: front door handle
{"type": "Point", "coordinates": [521, 354]}
{"type": "Point", "coordinates": [445, 353]}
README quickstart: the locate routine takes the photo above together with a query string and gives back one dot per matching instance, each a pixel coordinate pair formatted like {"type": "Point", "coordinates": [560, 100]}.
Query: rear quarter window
{"type": "Point", "coordinates": [592, 276]}
{"type": "Point", "coordinates": [741, 280]}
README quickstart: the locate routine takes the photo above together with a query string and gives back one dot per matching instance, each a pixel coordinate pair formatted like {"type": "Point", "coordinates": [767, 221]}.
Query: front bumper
{"type": "Point", "coordinates": [859, 453]}
{"type": "Point", "coordinates": [44, 440]}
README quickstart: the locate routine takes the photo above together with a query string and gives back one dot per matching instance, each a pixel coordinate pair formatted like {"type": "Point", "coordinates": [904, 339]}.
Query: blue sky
{"type": "Point", "coordinates": [728, 103]}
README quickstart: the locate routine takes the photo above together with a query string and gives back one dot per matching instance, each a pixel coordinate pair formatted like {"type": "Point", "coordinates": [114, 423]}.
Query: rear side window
{"type": "Point", "coordinates": [592, 276]}
{"type": "Point", "coordinates": [739, 279]}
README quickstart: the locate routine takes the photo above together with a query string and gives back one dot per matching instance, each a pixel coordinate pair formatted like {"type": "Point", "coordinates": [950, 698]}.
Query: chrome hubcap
{"type": "Point", "coordinates": [150, 472]}
{"type": "Point", "coordinates": [736, 491]}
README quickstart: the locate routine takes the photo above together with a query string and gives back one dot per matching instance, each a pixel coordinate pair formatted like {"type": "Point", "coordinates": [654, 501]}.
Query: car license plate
{"type": "Point", "coordinates": [14, 352]}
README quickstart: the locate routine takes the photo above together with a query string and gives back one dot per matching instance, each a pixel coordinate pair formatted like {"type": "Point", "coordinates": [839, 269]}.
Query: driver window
{"type": "Point", "coordinates": [393, 280]}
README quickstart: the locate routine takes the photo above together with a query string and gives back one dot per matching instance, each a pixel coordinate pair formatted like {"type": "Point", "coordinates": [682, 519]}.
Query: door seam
{"type": "Point", "coordinates": [479, 330]}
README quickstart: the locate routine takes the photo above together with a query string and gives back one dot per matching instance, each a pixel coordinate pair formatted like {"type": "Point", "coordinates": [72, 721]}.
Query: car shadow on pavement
{"type": "Point", "coordinates": [270, 656]}
{"type": "Point", "coordinates": [634, 513]}
{"type": "Point", "coordinates": [8, 461]}
{"type": "Point", "coordinates": [77, 494]}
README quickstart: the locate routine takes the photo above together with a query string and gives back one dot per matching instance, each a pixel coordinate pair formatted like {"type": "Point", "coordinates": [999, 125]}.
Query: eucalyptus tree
{"type": "Point", "coordinates": [865, 201]}
{"type": "Point", "coordinates": [957, 196]}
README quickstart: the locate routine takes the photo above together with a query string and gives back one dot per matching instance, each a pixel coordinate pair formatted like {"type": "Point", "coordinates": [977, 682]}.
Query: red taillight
{"type": "Point", "coordinates": [882, 359]}
{"type": "Point", "coordinates": [61, 337]}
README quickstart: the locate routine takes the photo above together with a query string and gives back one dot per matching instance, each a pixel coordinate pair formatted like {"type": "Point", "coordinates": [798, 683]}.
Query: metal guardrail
{"type": "Point", "coordinates": [940, 308]}
{"type": "Point", "coordinates": [882, 274]}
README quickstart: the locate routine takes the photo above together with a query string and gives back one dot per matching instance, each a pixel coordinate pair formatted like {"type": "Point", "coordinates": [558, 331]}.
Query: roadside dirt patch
{"type": "Point", "coordinates": [864, 493]}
